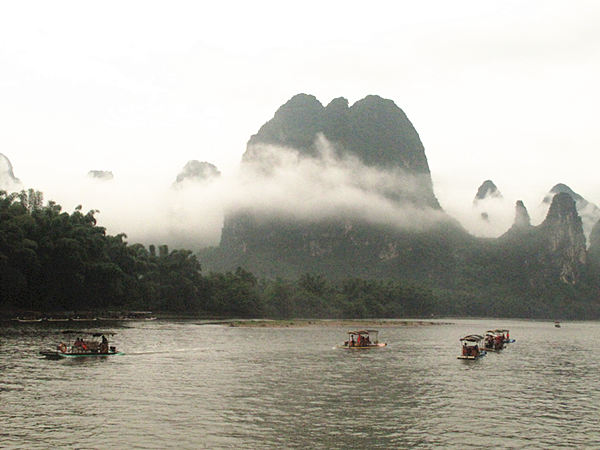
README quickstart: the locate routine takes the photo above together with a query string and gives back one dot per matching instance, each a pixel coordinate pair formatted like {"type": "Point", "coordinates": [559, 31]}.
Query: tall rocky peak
{"type": "Point", "coordinates": [561, 188]}
{"type": "Point", "coordinates": [562, 212]}
{"type": "Point", "coordinates": [522, 219]}
{"type": "Point", "coordinates": [8, 181]}
{"type": "Point", "coordinates": [381, 158]}
{"type": "Point", "coordinates": [295, 124]}
{"type": "Point", "coordinates": [197, 171]}
{"type": "Point", "coordinates": [374, 130]}
{"type": "Point", "coordinates": [565, 242]}
{"type": "Point", "coordinates": [384, 137]}
{"type": "Point", "coordinates": [588, 211]}
{"type": "Point", "coordinates": [487, 190]}
{"type": "Point", "coordinates": [522, 223]}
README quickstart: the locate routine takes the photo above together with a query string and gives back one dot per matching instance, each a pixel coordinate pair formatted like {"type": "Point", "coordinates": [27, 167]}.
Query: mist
{"type": "Point", "coordinates": [285, 182]}
{"type": "Point", "coordinates": [278, 182]}
{"type": "Point", "coordinates": [282, 183]}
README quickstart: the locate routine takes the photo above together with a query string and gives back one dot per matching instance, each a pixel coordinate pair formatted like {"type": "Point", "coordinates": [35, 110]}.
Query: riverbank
{"type": "Point", "coordinates": [347, 323]}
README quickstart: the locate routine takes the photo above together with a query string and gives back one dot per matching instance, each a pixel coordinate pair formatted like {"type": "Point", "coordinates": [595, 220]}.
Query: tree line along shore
{"type": "Point", "coordinates": [53, 262]}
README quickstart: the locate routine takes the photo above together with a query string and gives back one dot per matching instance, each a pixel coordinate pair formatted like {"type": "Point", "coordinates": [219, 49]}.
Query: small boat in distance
{"type": "Point", "coordinates": [493, 341]}
{"type": "Point", "coordinates": [557, 324]}
{"type": "Point", "coordinates": [83, 348]}
{"type": "Point", "coordinates": [471, 347]}
{"type": "Point", "coordinates": [505, 334]}
{"type": "Point", "coordinates": [360, 339]}
{"type": "Point", "coordinates": [129, 316]}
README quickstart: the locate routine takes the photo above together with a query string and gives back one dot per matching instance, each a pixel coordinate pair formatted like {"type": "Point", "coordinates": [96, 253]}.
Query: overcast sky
{"type": "Point", "coordinates": [506, 90]}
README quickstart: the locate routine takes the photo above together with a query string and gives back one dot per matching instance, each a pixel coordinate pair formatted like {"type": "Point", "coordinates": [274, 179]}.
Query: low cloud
{"type": "Point", "coordinates": [284, 182]}
{"type": "Point", "coordinates": [290, 185]}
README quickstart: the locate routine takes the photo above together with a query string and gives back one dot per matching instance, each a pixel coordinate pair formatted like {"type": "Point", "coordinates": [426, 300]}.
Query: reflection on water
{"type": "Point", "coordinates": [188, 385]}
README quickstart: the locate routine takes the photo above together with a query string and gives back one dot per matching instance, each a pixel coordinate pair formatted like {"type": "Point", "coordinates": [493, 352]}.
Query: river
{"type": "Point", "coordinates": [185, 384]}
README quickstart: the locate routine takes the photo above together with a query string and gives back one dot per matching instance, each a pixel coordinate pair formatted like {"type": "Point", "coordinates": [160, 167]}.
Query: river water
{"type": "Point", "coordinates": [184, 384]}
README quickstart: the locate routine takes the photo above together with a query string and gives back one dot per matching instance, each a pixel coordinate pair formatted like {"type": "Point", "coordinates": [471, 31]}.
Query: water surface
{"type": "Point", "coordinates": [184, 384]}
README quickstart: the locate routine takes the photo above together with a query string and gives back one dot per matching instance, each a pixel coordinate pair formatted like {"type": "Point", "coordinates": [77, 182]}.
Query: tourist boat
{"type": "Point", "coordinates": [557, 324]}
{"type": "Point", "coordinates": [471, 347]}
{"type": "Point", "coordinates": [493, 341]}
{"type": "Point", "coordinates": [360, 339]}
{"type": "Point", "coordinates": [505, 334]}
{"type": "Point", "coordinates": [83, 348]}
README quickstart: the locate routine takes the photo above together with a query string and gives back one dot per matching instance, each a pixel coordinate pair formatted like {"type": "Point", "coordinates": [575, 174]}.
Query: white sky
{"type": "Point", "coordinates": [506, 90]}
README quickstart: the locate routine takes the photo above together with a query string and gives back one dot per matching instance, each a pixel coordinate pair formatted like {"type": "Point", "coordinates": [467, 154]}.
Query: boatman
{"type": "Point", "coordinates": [104, 345]}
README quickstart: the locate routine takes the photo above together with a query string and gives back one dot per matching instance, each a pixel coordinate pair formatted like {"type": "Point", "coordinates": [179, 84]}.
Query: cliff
{"type": "Point", "coordinates": [565, 250]}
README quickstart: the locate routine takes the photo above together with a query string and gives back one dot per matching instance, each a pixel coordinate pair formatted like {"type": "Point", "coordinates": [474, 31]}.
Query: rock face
{"type": "Point", "coordinates": [552, 251]}
{"type": "Point", "coordinates": [8, 181]}
{"type": "Point", "coordinates": [589, 212]}
{"type": "Point", "coordinates": [565, 242]}
{"type": "Point", "coordinates": [103, 175]}
{"type": "Point", "coordinates": [196, 171]}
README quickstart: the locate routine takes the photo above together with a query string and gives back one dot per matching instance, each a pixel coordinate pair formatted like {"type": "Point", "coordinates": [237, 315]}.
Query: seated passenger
{"type": "Point", "coordinates": [78, 345]}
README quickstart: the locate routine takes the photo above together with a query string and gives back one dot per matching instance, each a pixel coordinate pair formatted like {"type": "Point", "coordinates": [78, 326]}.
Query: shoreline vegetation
{"type": "Point", "coordinates": [243, 323]}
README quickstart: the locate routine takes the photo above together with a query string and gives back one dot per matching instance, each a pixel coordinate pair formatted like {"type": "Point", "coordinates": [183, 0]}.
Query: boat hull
{"type": "Point", "coordinates": [471, 357]}
{"type": "Point", "coordinates": [487, 349]}
{"type": "Point", "coordinates": [356, 347]}
{"type": "Point", "coordinates": [61, 355]}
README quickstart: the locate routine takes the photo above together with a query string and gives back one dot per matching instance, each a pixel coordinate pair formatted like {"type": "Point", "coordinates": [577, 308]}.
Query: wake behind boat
{"type": "Point", "coordinates": [83, 348]}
